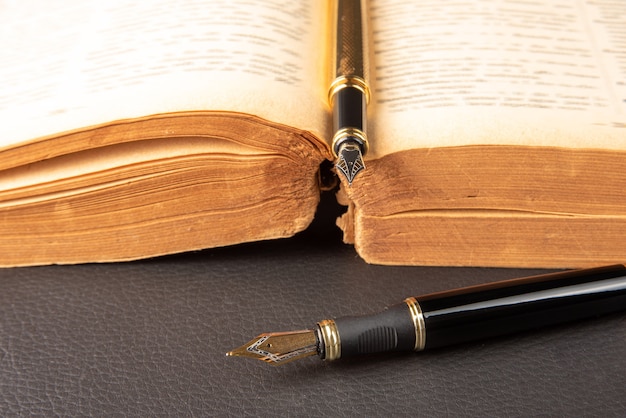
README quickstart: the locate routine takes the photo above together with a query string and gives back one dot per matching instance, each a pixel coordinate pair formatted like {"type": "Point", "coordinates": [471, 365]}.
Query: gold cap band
{"type": "Point", "coordinates": [330, 337]}
{"type": "Point", "coordinates": [348, 81]}
{"type": "Point", "coordinates": [418, 322]}
{"type": "Point", "coordinates": [353, 133]}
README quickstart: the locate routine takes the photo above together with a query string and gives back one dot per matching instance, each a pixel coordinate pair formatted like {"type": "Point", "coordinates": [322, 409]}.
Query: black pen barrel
{"type": "Point", "coordinates": [349, 107]}
{"type": "Point", "coordinates": [522, 304]}
{"type": "Point", "coordinates": [349, 118]}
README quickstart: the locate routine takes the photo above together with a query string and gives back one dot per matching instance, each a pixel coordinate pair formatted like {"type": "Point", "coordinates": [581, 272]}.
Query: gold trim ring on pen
{"type": "Point", "coordinates": [418, 322]}
{"type": "Point", "coordinates": [344, 81]}
{"type": "Point", "coordinates": [332, 342]}
{"type": "Point", "coordinates": [355, 133]}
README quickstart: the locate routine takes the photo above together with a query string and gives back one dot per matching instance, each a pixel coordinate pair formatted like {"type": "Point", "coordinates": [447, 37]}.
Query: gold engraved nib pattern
{"type": "Point", "coordinates": [279, 347]}
{"type": "Point", "coordinates": [350, 161]}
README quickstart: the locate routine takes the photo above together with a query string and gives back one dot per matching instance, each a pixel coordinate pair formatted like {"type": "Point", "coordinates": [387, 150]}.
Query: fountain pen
{"type": "Point", "coordinates": [349, 92]}
{"type": "Point", "coordinates": [453, 316]}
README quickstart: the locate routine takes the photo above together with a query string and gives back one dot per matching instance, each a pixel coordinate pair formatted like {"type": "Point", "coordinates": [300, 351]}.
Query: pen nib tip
{"type": "Point", "coordinates": [350, 161]}
{"type": "Point", "coordinates": [278, 347]}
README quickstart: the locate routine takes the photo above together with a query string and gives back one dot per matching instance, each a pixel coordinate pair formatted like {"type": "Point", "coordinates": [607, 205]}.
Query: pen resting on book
{"type": "Point", "coordinates": [349, 92]}
{"type": "Point", "coordinates": [454, 316]}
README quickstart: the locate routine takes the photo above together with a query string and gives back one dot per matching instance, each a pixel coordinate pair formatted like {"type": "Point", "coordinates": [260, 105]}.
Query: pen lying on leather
{"type": "Point", "coordinates": [453, 316]}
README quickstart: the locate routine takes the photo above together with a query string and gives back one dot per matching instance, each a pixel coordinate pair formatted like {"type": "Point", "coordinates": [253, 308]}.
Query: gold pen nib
{"type": "Point", "coordinates": [279, 347]}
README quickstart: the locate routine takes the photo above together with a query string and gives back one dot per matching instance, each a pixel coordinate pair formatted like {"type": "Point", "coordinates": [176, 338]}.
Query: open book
{"type": "Point", "coordinates": [134, 129]}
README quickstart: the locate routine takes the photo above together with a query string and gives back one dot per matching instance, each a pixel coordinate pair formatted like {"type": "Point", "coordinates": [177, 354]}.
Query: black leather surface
{"type": "Point", "coordinates": [149, 339]}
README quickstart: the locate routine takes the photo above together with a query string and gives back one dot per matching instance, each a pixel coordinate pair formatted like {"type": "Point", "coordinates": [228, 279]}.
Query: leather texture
{"type": "Point", "coordinates": [149, 338]}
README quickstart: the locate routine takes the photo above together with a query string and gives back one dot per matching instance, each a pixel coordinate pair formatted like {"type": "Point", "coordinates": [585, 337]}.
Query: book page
{"type": "Point", "coordinates": [545, 73]}
{"type": "Point", "coordinates": [77, 63]}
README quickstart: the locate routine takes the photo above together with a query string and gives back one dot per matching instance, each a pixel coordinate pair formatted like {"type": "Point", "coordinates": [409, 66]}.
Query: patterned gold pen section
{"type": "Point", "coordinates": [349, 61]}
{"type": "Point", "coordinates": [350, 58]}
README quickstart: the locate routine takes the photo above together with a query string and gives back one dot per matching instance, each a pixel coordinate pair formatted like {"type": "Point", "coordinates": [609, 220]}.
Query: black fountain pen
{"type": "Point", "coordinates": [455, 316]}
{"type": "Point", "coordinates": [349, 92]}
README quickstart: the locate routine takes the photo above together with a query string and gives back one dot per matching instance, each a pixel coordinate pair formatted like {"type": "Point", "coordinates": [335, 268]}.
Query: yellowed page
{"type": "Point", "coordinates": [546, 73]}
{"type": "Point", "coordinates": [65, 65]}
